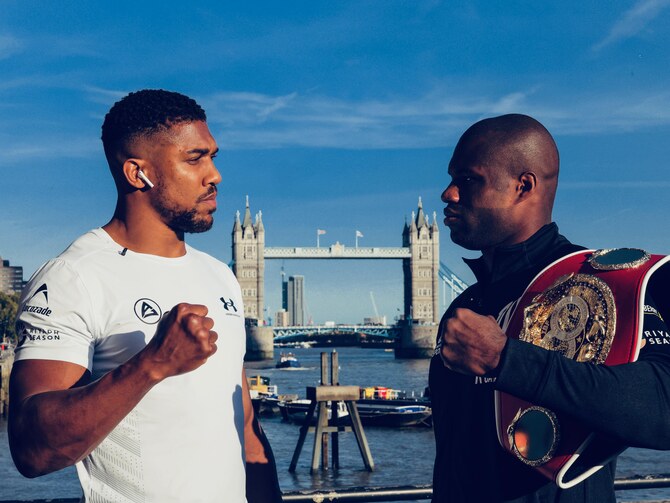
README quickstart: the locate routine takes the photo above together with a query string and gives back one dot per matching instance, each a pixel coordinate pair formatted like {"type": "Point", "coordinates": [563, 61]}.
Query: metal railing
{"type": "Point", "coordinates": [410, 493]}
{"type": "Point", "coordinates": [405, 493]}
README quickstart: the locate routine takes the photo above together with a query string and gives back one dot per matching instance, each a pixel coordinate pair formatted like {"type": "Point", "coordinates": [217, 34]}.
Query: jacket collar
{"type": "Point", "coordinates": [510, 259]}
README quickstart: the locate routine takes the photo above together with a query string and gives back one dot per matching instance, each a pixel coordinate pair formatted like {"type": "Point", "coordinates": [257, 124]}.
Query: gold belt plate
{"type": "Point", "coordinates": [575, 316]}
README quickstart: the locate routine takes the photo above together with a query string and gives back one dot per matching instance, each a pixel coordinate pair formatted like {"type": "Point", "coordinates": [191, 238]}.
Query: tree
{"type": "Point", "coordinates": [9, 305]}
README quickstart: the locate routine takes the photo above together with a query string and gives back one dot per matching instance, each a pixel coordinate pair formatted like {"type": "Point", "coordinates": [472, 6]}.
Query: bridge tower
{"type": "Point", "coordinates": [422, 268]}
{"type": "Point", "coordinates": [249, 262]}
{"type": "Point", "coordinates": [249, 268]}
{"type": "Point", "coordinates": [420, 271]}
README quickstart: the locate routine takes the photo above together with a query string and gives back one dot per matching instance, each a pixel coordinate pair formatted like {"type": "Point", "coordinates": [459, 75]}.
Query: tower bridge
{"type": "Point", "coordinates": [422, 270]}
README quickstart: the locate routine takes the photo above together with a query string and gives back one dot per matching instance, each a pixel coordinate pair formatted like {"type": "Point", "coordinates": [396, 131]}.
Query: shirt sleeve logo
{"type": "Point", "coordinates": [44, 290]}
{"type": "Point", "coordinates": [36, 299]}
{"type": "Point", "coordinates": [653, 311]}
{"type": "Point", "coordinates": [148, 311]}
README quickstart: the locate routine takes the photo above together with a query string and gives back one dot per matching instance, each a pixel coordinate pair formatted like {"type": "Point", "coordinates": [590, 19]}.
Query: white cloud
{"type": "Point", "coordinates": [632, 22]}
{"type": "Point", "coordinates": [254, 120]}
{"type": "Point", "coordinates": [245, 107]}
{"type": "Point", "coordinates": [103, 96]}
{"type": "Point", "coordinates": [248, 120]}
{"type": "Point", "coordinates": [50, 148]}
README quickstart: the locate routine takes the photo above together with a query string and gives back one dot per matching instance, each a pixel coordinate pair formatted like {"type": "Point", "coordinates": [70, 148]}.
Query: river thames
{"type": "Point", "coordinates": [402, 456]}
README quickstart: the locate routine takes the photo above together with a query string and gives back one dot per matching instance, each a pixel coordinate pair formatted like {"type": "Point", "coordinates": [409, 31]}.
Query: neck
{"type": "Point", "coordinates": [520, 236]}
{"type": "Point", "coordinates": [144, 232]}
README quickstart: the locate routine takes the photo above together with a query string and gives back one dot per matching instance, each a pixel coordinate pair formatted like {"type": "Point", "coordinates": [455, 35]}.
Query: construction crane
{"type": "Point", "coordinates": [374, 306]}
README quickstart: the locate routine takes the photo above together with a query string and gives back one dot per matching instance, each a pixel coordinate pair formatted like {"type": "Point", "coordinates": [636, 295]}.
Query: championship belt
{"type": "Point", "coordinates": [589, 306]}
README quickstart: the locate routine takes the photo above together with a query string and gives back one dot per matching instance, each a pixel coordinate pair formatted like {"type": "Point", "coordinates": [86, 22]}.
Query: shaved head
{"type": "Point", "coordinates": [504, 175]}
{"type": "Point", "coordinates": [516, 144]}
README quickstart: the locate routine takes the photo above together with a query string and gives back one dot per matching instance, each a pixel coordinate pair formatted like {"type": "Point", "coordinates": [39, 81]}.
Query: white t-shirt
{"type": "Point", "coordinates": [97, 305]}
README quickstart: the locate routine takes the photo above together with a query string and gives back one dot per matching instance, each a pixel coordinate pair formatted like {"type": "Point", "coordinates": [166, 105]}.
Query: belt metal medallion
{"type": "Point", "coordinates": [575, 316]}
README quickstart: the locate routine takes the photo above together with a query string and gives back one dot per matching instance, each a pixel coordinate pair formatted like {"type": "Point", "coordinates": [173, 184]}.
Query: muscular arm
{"type": "Point", "coordinates": [262, 481]}
{"type": "Point", "coordinates": [57, 417]}
{"type": "Point", "coordinates": [629, 402]}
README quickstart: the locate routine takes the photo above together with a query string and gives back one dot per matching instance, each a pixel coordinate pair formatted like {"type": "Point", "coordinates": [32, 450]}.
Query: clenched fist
{"type": "Point", "coordinates": [472, 343]}
{"type": "Point", "coordinates": [183, 341]}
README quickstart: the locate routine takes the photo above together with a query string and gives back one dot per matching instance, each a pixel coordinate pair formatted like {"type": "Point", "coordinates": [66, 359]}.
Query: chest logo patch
{"type": "Point", "coordinates": [228, 304]}
{"type": "Point", "coordinates": [148, 311]}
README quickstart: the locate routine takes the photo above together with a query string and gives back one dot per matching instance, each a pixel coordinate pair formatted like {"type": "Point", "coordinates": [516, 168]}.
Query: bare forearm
{"type": "Point", "coordinates": [55, 429]}
{"type": "Point", "coordinates": [261, 470]}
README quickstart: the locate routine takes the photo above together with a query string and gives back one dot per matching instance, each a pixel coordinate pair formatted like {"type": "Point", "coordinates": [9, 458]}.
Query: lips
{"type": "Point", "coordinates": [450, 216]}
{"type": "Point", "coordinates": [210, 198]}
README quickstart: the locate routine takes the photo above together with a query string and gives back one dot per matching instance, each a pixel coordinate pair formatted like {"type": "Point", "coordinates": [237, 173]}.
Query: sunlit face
{"type": "Point", "coordinates": [480, 211]}
{"type": "Point", "coordinates": [182, 158]}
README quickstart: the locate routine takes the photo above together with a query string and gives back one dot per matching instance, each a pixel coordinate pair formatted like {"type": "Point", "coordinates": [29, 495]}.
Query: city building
{"type": "Point", "coordinates": [296, 300]}
{"type": "Point", "coordinates": [282, 318]}
{"type": "Point", "coordinates": [11, 277]}
{"type": "Point", "coordinates": [374, 320]}
{"type": "Point", "coordinates": [284, 291]}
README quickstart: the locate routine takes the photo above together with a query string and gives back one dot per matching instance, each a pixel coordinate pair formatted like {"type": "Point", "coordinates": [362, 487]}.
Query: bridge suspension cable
{"type": "Point", "coordinates": [450, 278]}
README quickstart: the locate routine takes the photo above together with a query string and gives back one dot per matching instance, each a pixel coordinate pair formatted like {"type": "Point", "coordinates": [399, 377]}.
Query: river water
{"type": "Point", "coordinates": [402, 456]}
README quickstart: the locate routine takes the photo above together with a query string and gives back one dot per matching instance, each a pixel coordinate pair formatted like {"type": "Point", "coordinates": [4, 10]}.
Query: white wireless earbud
{"type": "Point", "coordinates": [144, 178]}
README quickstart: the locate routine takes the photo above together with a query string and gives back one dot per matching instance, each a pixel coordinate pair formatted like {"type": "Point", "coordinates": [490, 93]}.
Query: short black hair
{"type": "Point", "coordinates": [144, 113]}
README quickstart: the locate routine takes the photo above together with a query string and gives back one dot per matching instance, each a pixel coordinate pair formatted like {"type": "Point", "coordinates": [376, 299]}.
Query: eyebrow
{"type": "Point", "coordinates": [202, 151]}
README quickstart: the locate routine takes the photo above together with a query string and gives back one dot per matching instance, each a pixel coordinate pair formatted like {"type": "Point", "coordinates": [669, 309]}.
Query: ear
{"type": "Point", "coordinates": [130, 169]}
{"type": "Point", "coordinates": [527, 184]}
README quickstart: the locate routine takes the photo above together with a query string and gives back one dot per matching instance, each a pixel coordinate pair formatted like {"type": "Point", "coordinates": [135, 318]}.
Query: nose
{"type": "Point", "coordinates": [450, 194]}
{"type": "Point", "coordinates": [213, 176]}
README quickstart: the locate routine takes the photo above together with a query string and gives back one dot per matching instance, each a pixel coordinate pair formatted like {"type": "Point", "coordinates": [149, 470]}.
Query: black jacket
{"type": "Point", "coordinates": [628, 403]}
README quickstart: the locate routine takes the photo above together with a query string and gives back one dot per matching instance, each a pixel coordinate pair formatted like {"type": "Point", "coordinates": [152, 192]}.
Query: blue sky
{"type": "Point", "coordinates": [338, 116]}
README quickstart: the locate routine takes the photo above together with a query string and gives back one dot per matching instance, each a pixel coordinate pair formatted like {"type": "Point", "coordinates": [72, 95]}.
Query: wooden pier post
{"type": "Point", "coordinates": [319, 396]}
{"type": "Point", "coordinates": [335, 381]}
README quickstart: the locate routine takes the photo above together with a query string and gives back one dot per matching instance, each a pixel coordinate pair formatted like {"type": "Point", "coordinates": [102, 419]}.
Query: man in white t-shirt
{"type": "Point", "coordinates": [117, 369]}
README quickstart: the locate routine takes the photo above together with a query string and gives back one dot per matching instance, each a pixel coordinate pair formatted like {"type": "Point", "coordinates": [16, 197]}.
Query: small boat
{"type": "Point", "coordinates": [287, 361]}
{"type": "Point", "coordinates": [385, 415]}
{"type": "Point", "coordinates": [264, 395]}
{"type": "Point", "coordinates": [394, 416]}
{"type": "Point", "coordinates": [296, 410]}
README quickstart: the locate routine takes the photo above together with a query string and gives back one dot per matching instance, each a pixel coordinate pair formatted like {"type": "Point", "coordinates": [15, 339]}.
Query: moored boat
{"type": "Point", "coordinates": [296, 410]}
{"type": "Point", "coordinates": [264, 396]}
{"type": "Point", "coordinates": [394, 416]}
{"type": "Point", "coordinates": [372, 414]}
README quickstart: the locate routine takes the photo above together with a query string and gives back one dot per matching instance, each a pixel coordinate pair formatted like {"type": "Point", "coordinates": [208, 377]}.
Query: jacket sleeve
{"type": "Point", "coordinates": [629, 402]}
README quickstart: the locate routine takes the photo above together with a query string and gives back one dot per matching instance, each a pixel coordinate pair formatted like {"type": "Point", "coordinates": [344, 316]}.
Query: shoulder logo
{"type": "Point", "coordinates": [148, 311]}
{"type": "Point", "coordinates": [652, 310]}
{"type": "Point", "coordinates": [43, 289]}
{"type": "Point", "coordinates": [38, 309]}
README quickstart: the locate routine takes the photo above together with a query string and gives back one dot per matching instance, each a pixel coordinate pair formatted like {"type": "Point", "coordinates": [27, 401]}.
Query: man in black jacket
{"type": "Point", "coordinates": [504, 174]}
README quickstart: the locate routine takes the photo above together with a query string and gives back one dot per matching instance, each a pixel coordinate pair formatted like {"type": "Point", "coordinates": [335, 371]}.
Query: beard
{"type": "Point", "coordinates": [179, 219]}
{"type": "Point", "coordinates": [187, 221]}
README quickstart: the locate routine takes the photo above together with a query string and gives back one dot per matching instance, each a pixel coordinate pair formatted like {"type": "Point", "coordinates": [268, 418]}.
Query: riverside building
{"type": "Point", "coordinates": [11, 277]}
